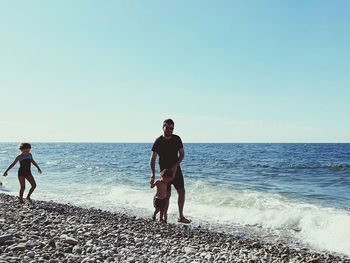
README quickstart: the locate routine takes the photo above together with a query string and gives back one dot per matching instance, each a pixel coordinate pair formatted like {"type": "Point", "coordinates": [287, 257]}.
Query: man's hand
{"type": "Point", "coordinates": [5, 174]}
{"type": "Point", "coordinates": [40, 172]}
{"type": "Point", "coordinates": [151, 180]}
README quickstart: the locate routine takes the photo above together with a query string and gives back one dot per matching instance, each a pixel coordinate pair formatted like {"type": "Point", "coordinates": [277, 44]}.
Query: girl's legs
{"type": "Point", "coordinates": [22, 183]}
{"type": "Point", "coordinates": [31, 180]}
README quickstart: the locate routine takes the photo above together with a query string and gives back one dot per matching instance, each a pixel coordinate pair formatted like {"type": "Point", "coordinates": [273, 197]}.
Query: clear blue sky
{"type": "Point", "coordinates": [225, 71]}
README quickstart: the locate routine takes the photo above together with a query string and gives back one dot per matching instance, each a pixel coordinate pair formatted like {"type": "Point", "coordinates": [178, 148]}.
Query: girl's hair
{"type": "Point", "coordinates": [24, 145]}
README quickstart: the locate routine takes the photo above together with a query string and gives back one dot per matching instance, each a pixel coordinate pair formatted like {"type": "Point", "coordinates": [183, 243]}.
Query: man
{"type": "Point", "coordinates": [168, 147]}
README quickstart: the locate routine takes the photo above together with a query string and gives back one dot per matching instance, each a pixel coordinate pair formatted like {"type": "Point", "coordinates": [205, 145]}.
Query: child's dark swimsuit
{"type": "Point", "coordinates": [24, 168]}
{"type": "Point", "coordinates": [159, 202]}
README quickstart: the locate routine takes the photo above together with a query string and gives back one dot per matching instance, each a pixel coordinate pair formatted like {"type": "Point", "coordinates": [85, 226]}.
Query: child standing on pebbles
{"type": "Point", "coordinates": [25, 160]}
{"type": "Point", "coordinates": [160, 199]}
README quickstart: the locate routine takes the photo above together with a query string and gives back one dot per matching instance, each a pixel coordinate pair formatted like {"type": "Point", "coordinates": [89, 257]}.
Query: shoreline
{"type": "Point", "coordinates": [46, 231]}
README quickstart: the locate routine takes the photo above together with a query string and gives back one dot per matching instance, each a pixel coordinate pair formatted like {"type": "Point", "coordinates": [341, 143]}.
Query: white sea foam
{"type": "Point", "coordinates": [321, 227]}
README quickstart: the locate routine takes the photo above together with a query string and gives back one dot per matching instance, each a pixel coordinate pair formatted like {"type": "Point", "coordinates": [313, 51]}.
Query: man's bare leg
{"type": "Point", "coordinates": [165, 210]}
{"type": "Point", "coordinates": [181, 203]}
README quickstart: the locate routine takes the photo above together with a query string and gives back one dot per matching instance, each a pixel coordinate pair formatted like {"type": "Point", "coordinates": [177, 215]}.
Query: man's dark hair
{"type": "Point", "coordinates": [168, 122]}
{"type": "Point", "coordinates": [24, 145]}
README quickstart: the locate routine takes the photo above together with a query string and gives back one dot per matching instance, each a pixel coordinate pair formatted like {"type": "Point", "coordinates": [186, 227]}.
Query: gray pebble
{"type": "Point", "coordinates": [68, 234]}
{"type": "Point", "coordinates": [31, 254]}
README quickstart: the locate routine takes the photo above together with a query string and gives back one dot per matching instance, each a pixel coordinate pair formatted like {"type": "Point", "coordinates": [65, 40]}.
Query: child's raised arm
{"type": "Point", "coordinates": [12, 164]}
{"type": "Point", "coordinates": [153, 184]}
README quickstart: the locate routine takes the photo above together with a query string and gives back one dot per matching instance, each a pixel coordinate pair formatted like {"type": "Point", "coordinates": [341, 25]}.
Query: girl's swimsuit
{"type": "Point", "coordinates": [24, 168]}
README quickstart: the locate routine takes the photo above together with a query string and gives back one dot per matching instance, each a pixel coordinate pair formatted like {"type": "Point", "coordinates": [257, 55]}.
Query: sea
{"type": "Point", "coordinates": [296, 194]}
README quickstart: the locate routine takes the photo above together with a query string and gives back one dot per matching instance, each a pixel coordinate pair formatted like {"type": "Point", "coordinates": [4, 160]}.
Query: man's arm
{"type": "Point", "coordinates": [152, 164]}
{"type": "Point", "coordinates": [182, 156]}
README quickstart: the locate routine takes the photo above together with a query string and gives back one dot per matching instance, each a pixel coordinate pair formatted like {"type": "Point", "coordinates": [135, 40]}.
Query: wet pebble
{"type": "Point", "coordinates": [65, 233]}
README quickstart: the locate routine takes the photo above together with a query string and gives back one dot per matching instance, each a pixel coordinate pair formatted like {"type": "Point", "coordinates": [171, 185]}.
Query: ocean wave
{"type": "Point", "coordinates": [338, 166]}
{"type": "Point", "coordinates": [262, 165]}
{"type": "Point", "coordinates": [334, 166]}
{"type": "Point", "coordinates": [323, 228]}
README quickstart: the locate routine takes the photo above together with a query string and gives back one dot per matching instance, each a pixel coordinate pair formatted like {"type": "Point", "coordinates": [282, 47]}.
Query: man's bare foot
{"type": "Point", "coordinates": [20, 201]}
{"type": "Point", "coordinates": [183, 220]}
{"type": "Point", "coordinates": [29, 200]}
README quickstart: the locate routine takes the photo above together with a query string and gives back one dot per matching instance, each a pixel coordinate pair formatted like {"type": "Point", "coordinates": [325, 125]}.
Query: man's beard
{"type": "Point", "coordinates": [168, 134]}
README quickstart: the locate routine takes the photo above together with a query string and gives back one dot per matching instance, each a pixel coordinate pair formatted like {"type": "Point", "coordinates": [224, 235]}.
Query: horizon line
{"type": "Point", "coordinates": [187, 142]}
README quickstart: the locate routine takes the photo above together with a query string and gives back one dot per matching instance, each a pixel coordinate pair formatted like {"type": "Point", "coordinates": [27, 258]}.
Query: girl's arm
{"type": "Point", "coordinates": [35, 164]}
{"type": "Point", "coordinates": [12, 164]}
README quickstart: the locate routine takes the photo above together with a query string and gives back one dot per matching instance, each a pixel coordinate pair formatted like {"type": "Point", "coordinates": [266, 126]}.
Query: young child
{"type": "Point", "coordinates": [159, 200]}
{"type": "Point", "coordinates": [25, 160]}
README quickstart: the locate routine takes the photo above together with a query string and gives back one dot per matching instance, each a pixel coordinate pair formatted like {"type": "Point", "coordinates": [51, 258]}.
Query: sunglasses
{"type": "Point", "coordinates": [169, 128]}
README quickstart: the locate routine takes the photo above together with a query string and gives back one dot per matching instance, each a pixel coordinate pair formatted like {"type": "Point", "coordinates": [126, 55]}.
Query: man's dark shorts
{"type": "Point", "coordinates": [178, 181]}
{"type": "Point", "coordinates": [159, 202]}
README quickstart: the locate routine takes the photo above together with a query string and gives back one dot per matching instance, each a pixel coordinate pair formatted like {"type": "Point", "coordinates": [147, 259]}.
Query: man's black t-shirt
{"type": "Point", "coordinates": [167, 150]}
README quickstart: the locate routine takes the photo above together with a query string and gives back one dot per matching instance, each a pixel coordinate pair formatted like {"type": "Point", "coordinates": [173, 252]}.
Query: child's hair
{"type": "Point", "coordinates": [165, 173]}
{"type": "Point", "coordinates": [24, 145]}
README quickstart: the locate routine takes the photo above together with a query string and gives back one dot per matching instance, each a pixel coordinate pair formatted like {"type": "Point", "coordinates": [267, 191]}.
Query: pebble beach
{"type": "Point", "coordinates": [52, 232]}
